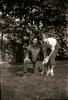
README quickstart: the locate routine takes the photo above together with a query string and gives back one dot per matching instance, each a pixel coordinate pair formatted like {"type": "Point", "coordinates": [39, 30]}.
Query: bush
{"type": "Point", "coordinates": [22, 20]}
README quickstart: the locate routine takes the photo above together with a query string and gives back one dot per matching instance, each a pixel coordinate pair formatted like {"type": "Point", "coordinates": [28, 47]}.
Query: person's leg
{"type": "Point", "coordinates": [52, 61]}
{"type": "Point", "coordinates": [49, 62]}
{"type": "Point", "coordinates": [44, 69]}
{"type": "Point", "coordinates": [25, 68]}
{"type": "Point", "coordinates": [34, 66]}
{"type": "Point", "coordinates": [45, 65]}
{"type": "Point", "coordinates": [48, 70]}
{"type": "Point", "coordinates": [52, 65]}
{"type": "Point", "coordinates": [38, 65]}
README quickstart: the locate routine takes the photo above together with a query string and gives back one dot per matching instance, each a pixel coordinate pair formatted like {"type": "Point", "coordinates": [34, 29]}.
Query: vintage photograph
{"type": "Point", "coordinates": [34, 49]}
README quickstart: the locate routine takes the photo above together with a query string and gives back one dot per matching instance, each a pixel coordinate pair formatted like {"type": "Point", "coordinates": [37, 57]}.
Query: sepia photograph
{"type": "Point", "coordinates": [34, 49]}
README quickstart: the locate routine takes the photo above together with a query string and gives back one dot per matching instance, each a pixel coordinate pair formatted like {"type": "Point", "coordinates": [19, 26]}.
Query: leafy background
{"type": "Point", "coordinates": [20, 20]}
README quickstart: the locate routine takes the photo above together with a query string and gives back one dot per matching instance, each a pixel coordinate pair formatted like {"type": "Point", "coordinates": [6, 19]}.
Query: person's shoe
{"type": "Point", "coordinates": [52, 72]}
{"type": "Point", "coordinates": [42, 73]}
{"type": "Point", "coordinates": [48, 72]}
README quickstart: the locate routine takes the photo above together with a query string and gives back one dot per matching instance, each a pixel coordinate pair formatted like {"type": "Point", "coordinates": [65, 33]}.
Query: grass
{"type": "Point", "coordinates": [33, 86]}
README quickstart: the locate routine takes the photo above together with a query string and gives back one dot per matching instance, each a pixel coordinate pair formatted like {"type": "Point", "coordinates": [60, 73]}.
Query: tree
{"type": "Point", "coordinates": [25, 18]}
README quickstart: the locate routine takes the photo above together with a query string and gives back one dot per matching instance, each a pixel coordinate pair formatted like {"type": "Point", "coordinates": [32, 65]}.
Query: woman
{"type": "Point", "coordinates": [51, 49]}
{"type": "Point", "coordinates": [34, 54]}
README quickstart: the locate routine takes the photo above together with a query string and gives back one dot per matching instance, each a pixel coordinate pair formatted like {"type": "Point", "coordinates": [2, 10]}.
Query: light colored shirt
{"type": "Point", "coordinates": [51, 41]}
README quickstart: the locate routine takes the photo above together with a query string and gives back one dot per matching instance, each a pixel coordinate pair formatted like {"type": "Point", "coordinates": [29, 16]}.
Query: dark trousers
{"type": "Point", "coordinates": [34, 65]}
{"type": "Point", "coordinates": [51, 61]}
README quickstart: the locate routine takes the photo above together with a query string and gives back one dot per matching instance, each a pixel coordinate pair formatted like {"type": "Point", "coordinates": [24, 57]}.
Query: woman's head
{"type": "Point", "coordinates": [43, 36]}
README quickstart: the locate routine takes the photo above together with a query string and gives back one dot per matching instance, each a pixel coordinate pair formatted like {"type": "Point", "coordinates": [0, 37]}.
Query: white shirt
{"type": "Point", "coordinates": [51, 41]}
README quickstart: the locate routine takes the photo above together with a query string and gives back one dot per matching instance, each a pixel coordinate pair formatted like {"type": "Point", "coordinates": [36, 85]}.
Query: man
{"type": "Point", "coordinates": [34, 55]}
{"type": "Point", "coordinates": [51, 49]}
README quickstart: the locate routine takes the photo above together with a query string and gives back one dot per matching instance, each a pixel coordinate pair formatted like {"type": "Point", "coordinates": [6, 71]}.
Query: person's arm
{"type": "Point", "coordinates": [52, 50]}
{"type": "Point", "coordinates": [27, 59]}
{"type": "Point", "coordinates": [46, 59]}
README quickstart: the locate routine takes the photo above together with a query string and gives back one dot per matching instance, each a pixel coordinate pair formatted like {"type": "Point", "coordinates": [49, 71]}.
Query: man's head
{"type": "Point", "coordinates": [35, 41]}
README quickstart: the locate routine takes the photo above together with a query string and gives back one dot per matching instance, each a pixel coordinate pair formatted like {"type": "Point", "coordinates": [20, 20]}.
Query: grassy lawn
{"type": "Point", "coordinates": [33, 86]}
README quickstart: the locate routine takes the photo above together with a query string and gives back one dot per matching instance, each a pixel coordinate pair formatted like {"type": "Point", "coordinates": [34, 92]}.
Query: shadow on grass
{"type": "Point", "coordinates": [18, 70]}
{"type": "Point", "coordinates": [64, 96]}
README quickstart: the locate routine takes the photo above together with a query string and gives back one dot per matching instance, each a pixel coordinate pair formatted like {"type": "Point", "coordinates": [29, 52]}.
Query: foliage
{"type": "Point", "coordinates": [22, 19]}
